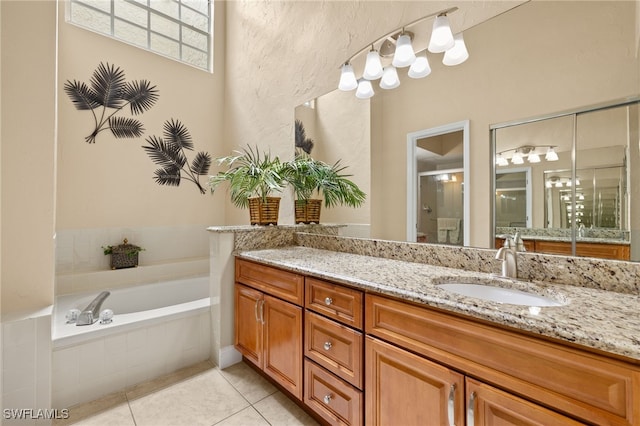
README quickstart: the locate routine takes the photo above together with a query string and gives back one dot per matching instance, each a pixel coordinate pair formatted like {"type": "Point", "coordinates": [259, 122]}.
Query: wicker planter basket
{"type": "Point", "coordinates": [308, 211]}
{"type": "Point", "coordinates": [264, 213]}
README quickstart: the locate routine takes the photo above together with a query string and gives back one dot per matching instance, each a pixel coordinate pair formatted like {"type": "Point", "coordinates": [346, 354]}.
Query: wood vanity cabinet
{"type": "Point", "coordinates": [514, 378]}
{"type": "Point", "coordinates": [333, 351]}
{"type": "Point", "coordinates": [599, 250]}
{"type": "Point", "coordinates": [268, 322]}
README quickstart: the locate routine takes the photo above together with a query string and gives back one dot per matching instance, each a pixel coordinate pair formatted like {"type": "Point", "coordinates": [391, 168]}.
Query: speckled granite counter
{"type": "Point", "coordinates": [599, 319]}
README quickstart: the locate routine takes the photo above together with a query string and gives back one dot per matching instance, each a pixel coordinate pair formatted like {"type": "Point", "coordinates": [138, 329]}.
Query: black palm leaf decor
{"type": "Point", "coordinates": [107, 94]}
{"type": "Point", "coordinates": [302, 141]}
{"type": "Point", "coordinates": [169, 152]}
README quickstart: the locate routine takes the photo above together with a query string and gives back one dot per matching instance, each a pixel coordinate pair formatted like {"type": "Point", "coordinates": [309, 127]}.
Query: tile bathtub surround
{"type": "Point", "coordinates": [601, 274]}
{"type": "Point", "coordinates": [200, 395]}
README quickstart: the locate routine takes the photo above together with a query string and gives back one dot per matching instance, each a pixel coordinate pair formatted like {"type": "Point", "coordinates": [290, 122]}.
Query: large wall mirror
{"type": "Point", "coordinates": [596, 62]}
{"type": "Point", "coordinates": [566, 183]}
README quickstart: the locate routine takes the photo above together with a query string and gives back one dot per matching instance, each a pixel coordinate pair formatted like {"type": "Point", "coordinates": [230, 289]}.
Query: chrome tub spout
{"type": "Point", "coordinates": [90, 314]}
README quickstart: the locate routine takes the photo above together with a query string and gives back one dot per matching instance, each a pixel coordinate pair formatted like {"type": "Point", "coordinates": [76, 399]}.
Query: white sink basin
{"type": "Point", "coordinates": [499, 294]}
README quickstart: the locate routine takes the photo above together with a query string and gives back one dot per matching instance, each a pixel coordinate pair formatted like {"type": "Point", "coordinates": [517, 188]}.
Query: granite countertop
{"type": "Point", "coordinates": [598, 319]}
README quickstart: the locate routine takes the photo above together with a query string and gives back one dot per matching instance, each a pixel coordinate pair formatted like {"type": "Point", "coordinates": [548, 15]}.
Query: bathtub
{"type": "Point", "coordinates": [156, 329]}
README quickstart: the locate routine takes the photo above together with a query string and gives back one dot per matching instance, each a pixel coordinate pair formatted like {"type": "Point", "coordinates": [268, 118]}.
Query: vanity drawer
{"type": "Point", "coordinates": [282, 284]}
{"type": "Point", "coordinates": [337, 348]}
{"type": "Point", "coordinates": [583, 384]}
{"type": "Point", "coordinates": [335, 301]}
{"type": "Point", "coordinates": [331, 398]}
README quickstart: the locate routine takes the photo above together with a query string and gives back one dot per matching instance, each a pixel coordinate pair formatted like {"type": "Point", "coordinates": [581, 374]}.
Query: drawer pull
{"type": "Point", "coordinates": [327, 399]}
{"type": "Point", "coordinates": [470, 409]}
{"type": "Point", "coordinates": [328, 301]}
{"type": "Point", "coordinates": [327, 346]}
{"type": "Point", "coordinates": [451, 405]}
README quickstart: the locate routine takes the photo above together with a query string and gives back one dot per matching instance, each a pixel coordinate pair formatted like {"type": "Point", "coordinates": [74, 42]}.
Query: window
{"type": "Point", "coordinates": [178, 29]}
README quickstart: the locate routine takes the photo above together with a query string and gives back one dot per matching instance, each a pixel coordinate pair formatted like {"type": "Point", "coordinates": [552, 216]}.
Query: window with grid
{"type": "Point", "coordinates": [178, 29]}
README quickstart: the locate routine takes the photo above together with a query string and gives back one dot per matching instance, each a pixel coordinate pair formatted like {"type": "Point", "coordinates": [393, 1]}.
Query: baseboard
{"type": "Point", "coordinates": [229, 356]}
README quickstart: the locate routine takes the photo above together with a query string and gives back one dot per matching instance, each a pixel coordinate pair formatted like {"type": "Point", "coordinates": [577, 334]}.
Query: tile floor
{"type": "Point", "coordinates": [199, 395]}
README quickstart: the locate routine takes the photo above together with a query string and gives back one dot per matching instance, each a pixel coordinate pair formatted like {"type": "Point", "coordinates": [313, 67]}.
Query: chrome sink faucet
{"type": "Point", "coordinates": [508, 254]}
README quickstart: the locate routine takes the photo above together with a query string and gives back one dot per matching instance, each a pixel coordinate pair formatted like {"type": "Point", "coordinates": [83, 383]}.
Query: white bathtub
{"type": "Point", "coordinates": [156, 329]}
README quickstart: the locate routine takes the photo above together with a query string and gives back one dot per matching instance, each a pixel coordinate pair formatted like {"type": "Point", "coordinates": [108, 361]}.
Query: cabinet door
{"type": "Point", "coordinates": [488, 406]}
{"type": "Point", "coordinates": [283, 343]}
{"type": "Point", "coordinates": [405, 389]}
{"type": "Point", "coordinates": [248, 324]}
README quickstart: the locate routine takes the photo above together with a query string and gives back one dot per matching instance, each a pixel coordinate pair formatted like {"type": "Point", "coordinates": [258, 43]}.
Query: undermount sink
{"type": "Point", "coordinates": [499, 294]}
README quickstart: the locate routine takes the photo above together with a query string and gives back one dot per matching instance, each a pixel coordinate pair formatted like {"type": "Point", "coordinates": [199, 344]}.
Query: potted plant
{"type": "Point", "coordinates": [309, 176]}
{"type": "Point", "coordinates": [252, 178]}
{"type": "Point", "coordinates": [124, 255]}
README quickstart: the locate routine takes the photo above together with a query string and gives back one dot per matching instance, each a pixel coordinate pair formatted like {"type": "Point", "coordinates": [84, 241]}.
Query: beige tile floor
{"type": "Point", "coordinates": [199, 395]}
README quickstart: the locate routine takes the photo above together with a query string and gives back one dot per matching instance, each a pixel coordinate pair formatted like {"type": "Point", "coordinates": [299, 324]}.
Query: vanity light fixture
{"type": "Point", "coordinates": [517, 158]}
{"type": "Point", "coordinates": [551, 155]}
{"type": "Point", "coordinates": [396, 50]}
{"type": "Point", "coordinates": [501, 161]}
{"type": "Point", "coordinates": [533, 157]}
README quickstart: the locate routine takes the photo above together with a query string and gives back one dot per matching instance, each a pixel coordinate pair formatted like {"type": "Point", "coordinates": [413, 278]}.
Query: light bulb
{"type": "Point", "coordinates": [404, 55]}
{"type": "Point", "coordinates": [365, 90]}
{"type": "Point", "coordinates": [347, 78]}
{"type": "Point", "coordinates": [420, 67]}
{"type": "Point", "coordinates": [441, 35]}
{"type": "Point", "coordinates": [533, 158]}
{"type": "Point", "coordinates": [457, 54]}
{"type": "Point", "coordinates": [551, 155]}
{"type": "Point", "coordinates": [373, 66]}
{"type": "Point", "coordinates": [389, 78]}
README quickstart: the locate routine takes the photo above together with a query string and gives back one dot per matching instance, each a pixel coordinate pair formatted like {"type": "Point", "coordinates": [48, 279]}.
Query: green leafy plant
{"type": "Point", "coordinates": [108, 92]}
{"type": "Point", "coordinates": [309, 176]}
{"type": "Point", "coordinates": [170, 153]}
{"type": "Point", "coordinates": [127, 249]}
{"type": "Point", "coordinates": [249, 174]}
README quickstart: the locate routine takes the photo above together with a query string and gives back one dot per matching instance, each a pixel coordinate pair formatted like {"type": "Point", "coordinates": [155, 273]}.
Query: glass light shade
{"type": "Point", "coordinates": [551, 155]}
{"type": "Point", "coordinates": [389, 78]}
{"type": "Point", "coordinates": [578, 183]}
{"type": "Point", "coordinates": [441, 35]}
{"type": "Point", "coordinates": [420, 67]}
{"type": "Point", "coordinates": [373, 66]}
{"type": "Point", "coordinates": [548, 184]}
{"type": "Point", "coordinates": [404, 55]}
{"type": "Point", "coordinates": [501, 161]}
{"type": "Point", "coordinates": [347, 78]}
{"type": "Point", "coordinates": [365, 90]}
{"type": "Point", "coordinates": [457, 54]}
{"type": "Point", "coordinates": [534, 158]}
{"type": "Point", "coordinates": [569, 183]}
{"type": "Point", "coordinates": [558, 184]}
{"type": "Point", "coordinates": [517, 158]}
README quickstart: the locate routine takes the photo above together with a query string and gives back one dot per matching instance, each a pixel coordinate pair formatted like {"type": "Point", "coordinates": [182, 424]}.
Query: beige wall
{"type": "Point", "coordinates": [110, 183]}
{"type": "Point", "coordinates": [28, 152]}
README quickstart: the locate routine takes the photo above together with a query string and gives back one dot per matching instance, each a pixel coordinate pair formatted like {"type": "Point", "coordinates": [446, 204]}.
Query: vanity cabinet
{"type": "Point", "coordinates": [584, 249]}
{"type": "Point", "coordinates": [334, 352]}
{"type": "Point", "coordinates": [511, 376]}
{"type": "Point", "coordinates": [268, 322]}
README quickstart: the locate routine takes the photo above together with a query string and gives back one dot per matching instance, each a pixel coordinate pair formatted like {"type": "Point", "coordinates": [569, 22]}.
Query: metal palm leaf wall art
{"type": "Point", "coordinates": [170, 154]}
{"type": "Point", "coordinates": [106, 95]}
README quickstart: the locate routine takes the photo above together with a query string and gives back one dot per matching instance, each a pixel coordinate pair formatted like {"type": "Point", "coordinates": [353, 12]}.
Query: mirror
{"type": "Point", "coordinates": [491, 87]}
{"type": "Point", "coordinates": [559, 204]}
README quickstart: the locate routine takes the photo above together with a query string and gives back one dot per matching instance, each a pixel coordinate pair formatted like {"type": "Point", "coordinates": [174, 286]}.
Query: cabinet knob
{"type": "Point", "coordinates": [327, 346]}
{"type": "Point", "coordinates": [327, 399]}
{"type": "Point", "coordinates": [328, 301]}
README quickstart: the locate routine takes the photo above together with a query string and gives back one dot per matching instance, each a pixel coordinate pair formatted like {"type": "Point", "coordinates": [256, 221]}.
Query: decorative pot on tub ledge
{"type": "Point", "coordinates": [124, 255]}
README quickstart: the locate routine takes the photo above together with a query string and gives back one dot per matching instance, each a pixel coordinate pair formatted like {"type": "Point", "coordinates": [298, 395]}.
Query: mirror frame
{"type": "Point", "coordinates": [631, 100]}
{"type": "Point", "coordinates": [412, 176]}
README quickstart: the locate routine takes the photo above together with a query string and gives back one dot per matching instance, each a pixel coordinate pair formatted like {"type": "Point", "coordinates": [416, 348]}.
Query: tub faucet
{"type": "Point", "coordinates": [91, 313]}
{"type": "Point", "coordinates": [509, 258]}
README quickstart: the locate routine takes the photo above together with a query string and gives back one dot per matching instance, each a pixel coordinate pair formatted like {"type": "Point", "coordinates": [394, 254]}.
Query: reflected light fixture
{"type": "Point", "coordinates": [457, 54]}
{"type": "Point", "coordinates": [404, 54]}
{"type": "Point", "coordinates": [347, 78]}
{"type": "Point", "coordinates": [373, 66]}
{"type": "Point", "coordinates": [558, 184]}
{"type": "Point", "coordinates": [396, 50]}
{"type": "Point", "coordinates": [517, 158]}
{"type": "Point", "coordinates": [441, 35]}
{"type": "Point", "coordinates": [365, 90]}
{"type": "Point", "coordinates": [533, 157]}
{"type": "Point", "coordinates": [389, 78]}
{"type": "Point", "coordinates": [501, 161]}
{"type": "Point", "coordinates": [551, 155]}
